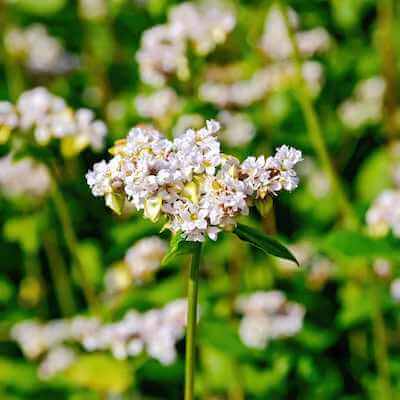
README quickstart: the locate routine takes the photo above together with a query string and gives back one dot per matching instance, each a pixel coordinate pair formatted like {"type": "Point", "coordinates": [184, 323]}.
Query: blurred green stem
{"type": "Point", "coordinates": [388, 58]}
{"type": "Point", "coordinates": [380, 342]}
{"type": "Point", "coordinates": [192, 298]}
{"type": "Point", "coordinates": [59, 274]}
{"type": "Point", "coordinates": [72, 243]}
{"type": "Point", "coordinates": [315, 131]}
{"type": "Point", "coordinates": [14, 76]}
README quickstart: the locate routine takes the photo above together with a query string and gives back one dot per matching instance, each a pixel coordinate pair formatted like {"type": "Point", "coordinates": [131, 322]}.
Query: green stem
{"type": "Point", "coordinates": [193, 282]}
{"type": "Point", "coordinates": [59, 275]}
{"type": "Point", "coordinates": [380, 343]}
{"type": "Point", "coordinates": [72, 243]}
{"type": "Point", "coordinates": [315, 131]}
{"type": "Point", "coordinates": [13, 72]}
{"type": "Point", "coordinates": [388, 58]}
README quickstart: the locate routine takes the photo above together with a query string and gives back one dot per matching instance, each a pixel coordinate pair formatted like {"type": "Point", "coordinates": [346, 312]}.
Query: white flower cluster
{"type": "Point", "coordinates": [188, 180]}
{"type": "Point", "coordinates": [40, 52]}
{"type": "Point", "coordinates": [268, 316]}
{"type": "Point", "coordinates": [13, 174]}
{"type": "Point", "coordinates": [365, 106]}
{"type": "Point", "coordinates": [142, 261]}
{"type": "Point", "coordinates": [271, 78]}
{"type": "Point", "coordinates": [48, 116]}
{"type": "Point", "coordinates": [384, 214]}
{"type": "Point", "coordinates": [155, 331]}
{"type": "Point", "coordinates": [157, 105]}
{"type": "Point", "coordinates": [163, 48]}
{"type": "Point", "coordinates": [276, 43]}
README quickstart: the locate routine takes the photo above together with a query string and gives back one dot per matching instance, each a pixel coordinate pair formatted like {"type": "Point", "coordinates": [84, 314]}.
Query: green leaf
{"type": "Point", "coordinates": [100, 372]}
{"type": "Point", "coordinates": [179, 246]}
{"type": "Point", "coordinates": [354, 244]}
{"type": "Point", "coordinates": [263, 242]}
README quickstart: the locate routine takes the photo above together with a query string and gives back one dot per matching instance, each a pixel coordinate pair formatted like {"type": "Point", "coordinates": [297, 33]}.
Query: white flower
{"type": "Point", "coordinates": [268, 316]}
{"type": "Point", "coordinates": [395, 289]}
{"type": "Point", "coordinates": [57, 360]}
{"type": "Point", "coordinates": [12, 173]}
{"type": "Point", "coordinates": [365, 106]}
{"type": "Point", "coordinates": [8, 115]}
{"type": "Point", "coordinates": [41, 52]}
{"type": "Point", "coordinates": [157, 105]}
{"type": "Point", "coordinates": [238, 130]}
{"type": "Point", "coordinates": [276, 43]}
{"type": "Point", "coordinates": [384, 214]}
{"type": "Point", "coordinates": [144, 258]}
{"type": "Point", "coordinates": [199, 190]}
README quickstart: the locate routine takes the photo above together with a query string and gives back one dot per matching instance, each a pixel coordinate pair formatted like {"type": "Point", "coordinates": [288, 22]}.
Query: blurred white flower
{"type": "Point", "coordinates": [157, 105]}
{"type": "Point", "coordinates": [186, 121]}
{"type": "Point", "coordinates": [365, 106]}
{"type": "Point", "coordinates": [395, 289]}
{"type": "Point", "coordinates": [163, 47]}
{"type": "Point", "coordinates": [93, 10]}
{"type": "Point", "coordinates": [13, 182]}
{"type": "Point", "coordinates": [275, 40]}
{"type": "Point", "coordinates": [384, 214]}
{"type": "Point", "coordinates": [49, 117]}
{"type": "Point", "coordinates": [237, 128]}
{"type": "Point", "coordinates": [56, 360]}
{"type": "Point", "coordinates": [40, 52]}
{"type": "Point", "coordinates": [268, 316]}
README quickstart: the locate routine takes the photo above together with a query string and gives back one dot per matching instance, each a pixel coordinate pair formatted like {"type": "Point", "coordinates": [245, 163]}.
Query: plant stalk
{"type": "Point", "coordinates": [380, 343]}
{"type": "Point", "coordinates": [59, 275]}
{"type": "Point", "coordinates": [192, 298]}
{"type": "Point", "coordinates": [72, 243]}
{"type": "Point", "coordinates": [315, 131]}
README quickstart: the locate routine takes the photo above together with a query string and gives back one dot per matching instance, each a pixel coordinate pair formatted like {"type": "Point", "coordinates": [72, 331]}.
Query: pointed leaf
{"type": "Point", "coordinates": [179, 246]}
{"type": "Point", "coordinates": [263, 242]}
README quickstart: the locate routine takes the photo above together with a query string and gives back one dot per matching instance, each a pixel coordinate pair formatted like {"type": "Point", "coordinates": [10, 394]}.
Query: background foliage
{"type": "Point", "coordinates": [349, 345]}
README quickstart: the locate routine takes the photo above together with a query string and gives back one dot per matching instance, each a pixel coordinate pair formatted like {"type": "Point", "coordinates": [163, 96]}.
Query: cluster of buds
{"type": "Point", "coordinates": [141, 262]}
{"type": "Point", "coordinates": [163, 48]}
{"type": "Point", "coordinates": [155, 331]}
{"type": "Point", "coordinates": [198, 190]}
{"type": "Point", "coordinates": [48, 117]}
{"type": "Point", "coordinates": [384, 214]}
{"type": "Point", "coordinates": [365, 106]}
{"type": "Point", "coordinates": [40, 52]}
{"type": "Point", "coordinates": [268, 316]}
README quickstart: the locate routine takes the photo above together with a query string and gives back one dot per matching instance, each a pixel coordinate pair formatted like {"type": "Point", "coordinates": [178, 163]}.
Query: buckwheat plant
{"type": "Point", "coordinates": [197, 190]}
